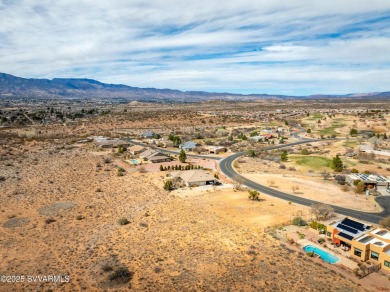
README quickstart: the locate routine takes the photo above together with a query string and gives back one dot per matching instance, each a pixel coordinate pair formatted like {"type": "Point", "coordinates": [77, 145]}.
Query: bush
{"type": "Point", "coordinates": [385, 222]}
{"type": "Point", "coordinates": [168, 185]}
{"type": "Point", "coordinates": [121, 275]}
{"type": "Point", "coordinates": [354, 170]}
{"type": "Point", "coordinates": [253, 195]}
{"type": "Point", "coordinates": [305, 151]}
{"type": "Point", "coordinates": [123, 221]}
{"type": "Point", "coordinates": [50, 220]}
{"type": "Point", "coordinates": [80, 217]}
{"type": "Point", "coordinates": [317, 226]}
{"type": "Point", "coordinates": [298, 221]}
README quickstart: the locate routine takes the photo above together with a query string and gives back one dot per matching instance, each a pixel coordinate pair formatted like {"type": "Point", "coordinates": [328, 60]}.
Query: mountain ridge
{"type": "Point", "coordinates": [80, 88]}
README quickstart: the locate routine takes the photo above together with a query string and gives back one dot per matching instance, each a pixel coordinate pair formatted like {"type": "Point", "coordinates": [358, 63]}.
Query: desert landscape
{"type": "Point", "coordinates": [75, 209]}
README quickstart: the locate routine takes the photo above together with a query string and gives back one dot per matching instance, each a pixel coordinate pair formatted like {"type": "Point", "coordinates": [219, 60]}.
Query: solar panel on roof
{"type": "Point", "coordinates": [347, 228]}
{"type": "Point", "coordinates": [342, 234]}
{"type": "Point", "coordinates": [353, 224]}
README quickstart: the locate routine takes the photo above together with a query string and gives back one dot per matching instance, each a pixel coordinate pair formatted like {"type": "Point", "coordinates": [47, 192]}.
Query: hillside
{"type": "Point", "coordinates": [72, 88]}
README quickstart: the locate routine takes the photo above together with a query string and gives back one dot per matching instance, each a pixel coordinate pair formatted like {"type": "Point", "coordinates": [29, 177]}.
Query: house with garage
{"type": "Point", "coordinates": [136, 149]}
{"type": "Point", "coordinates": [189, 146]}
{"type": "Point", "coordinates": [154, 156]}
{"type": "Point", "coordinates": [216, 149]}
{"type": "Point", "coordinates": [193, 178]}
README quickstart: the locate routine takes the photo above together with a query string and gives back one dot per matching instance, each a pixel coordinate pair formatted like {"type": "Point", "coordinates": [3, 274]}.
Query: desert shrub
{"type": "Point", "coordinates": [298, 221]}
{"type": "Point", "coordinates": [80, 217]}
{"type": "Point", "coordinates": [385, 222]}
{"type": "Point", "coordinates": [121, 275]}
{"type": "Point", "coordinates": [354, 170]}
{"type": "Point", "coordinates": [305, 151]}
{"type": "Point", "coordinates": [50, 220]}
{"type": "Point", "coordinates": [282, 166]}
{"type": "Point", "coordinates": [168, 185]}
{"type": "Point", "coordinates": [123, 221]}
{"type": "Point", "coordinates": [292, 168]}
{"type": "Point", "coordinates": [317, 226]}
{"type": "Point", "coordinates": [142, 169]}
{"type": "Point", "coordinates": [253, 195]}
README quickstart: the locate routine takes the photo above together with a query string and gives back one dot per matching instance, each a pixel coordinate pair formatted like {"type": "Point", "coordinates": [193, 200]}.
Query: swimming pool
{"type": "Point", "coordinates": [133, 161]}
{"type": "Point", "coordinates": [327, 257]}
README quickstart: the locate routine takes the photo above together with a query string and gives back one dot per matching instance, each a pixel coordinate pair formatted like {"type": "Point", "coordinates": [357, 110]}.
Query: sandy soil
{"type": "Point", "coordinates": [316, 189]}
{"type": "Point", "coordinates": [210, 242]}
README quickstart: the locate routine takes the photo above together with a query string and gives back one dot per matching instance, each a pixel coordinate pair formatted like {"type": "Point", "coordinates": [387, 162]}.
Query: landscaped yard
{"type": "Point", "coordinates": [314, 162]}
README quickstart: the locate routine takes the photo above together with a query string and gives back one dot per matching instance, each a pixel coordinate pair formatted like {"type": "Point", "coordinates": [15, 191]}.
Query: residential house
{"type": "Point", "coordinates": [193, 178]}
{"type": "Point", "coordinates": [136, 149]}
{"type": "Point", "coordinates": [371, 181]}
{"type": "Point", "coordinates": [154, 156]}
{"type": "Point", "coordinates": [147, 135]}
{"type": "Point", "coordinates": [364, 241]}
{"type": "Point", "coordinates": [216, 149]}
{"type": "Point", "coordinates": [256, 138]}
{"type": "Point", "coordinates": [189, 146]}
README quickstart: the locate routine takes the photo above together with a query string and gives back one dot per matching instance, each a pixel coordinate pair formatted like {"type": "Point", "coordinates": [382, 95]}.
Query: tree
{"type": "Point", "coordinates": [161, 167]}
{"type": "Point", "coordinates": [182, 156]}
{"type": "Point", "coordinates": [385, 222]}
{"type": "Point", "coordinates": [283, 156]}
{"type": "Point", "coordinates": [336, 164]}
{"type": "Point", "coordinates": [353, 132]}
{"type": "Point", "coordinates": [322, 211]}
{"type": "Point", "coordinates": [170, 137]}
{"type": "Point", "coordinates": [286, 123]}
{"type": "Point", "coordinates": [308, 131]}
{"type": "Point", "coordinates": [360, 187]}
{"type": "Point", "coordinates": [254, 195]}
{"type": "Point", "coordinates": [176, 141]}
{"type": "Point", "coordinates": [251, 153]}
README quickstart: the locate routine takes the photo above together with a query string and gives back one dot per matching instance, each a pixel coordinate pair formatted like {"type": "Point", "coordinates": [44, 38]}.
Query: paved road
{"type": "Point", "coordinates": [226, 167]}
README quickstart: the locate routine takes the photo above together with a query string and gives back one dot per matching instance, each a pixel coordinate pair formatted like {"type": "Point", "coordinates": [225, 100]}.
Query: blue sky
{"type": "Point", "coordinates": [298, 47]}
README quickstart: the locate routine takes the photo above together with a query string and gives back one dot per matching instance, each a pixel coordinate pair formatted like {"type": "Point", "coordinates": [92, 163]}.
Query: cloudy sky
{"type": "Point", "coordinates": [245, 46]}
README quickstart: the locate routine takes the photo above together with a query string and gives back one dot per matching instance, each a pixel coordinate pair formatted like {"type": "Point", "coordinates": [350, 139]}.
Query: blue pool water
{"type": "Point", "coordinates": [133, 161]}
{"type": "Point", "coordinates": [327, 257]}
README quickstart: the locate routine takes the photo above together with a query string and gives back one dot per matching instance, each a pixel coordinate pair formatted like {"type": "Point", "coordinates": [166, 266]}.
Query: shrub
{"type": "Point", "coordinates": [305, 151]}
{"type": "Point", "coordinates": [354, 170]}
{"type": "Point", "coordinates": [80, 217]}
{"type": "Point", "coordinates": [253, 195]}
{"type": "Point", "coordinates": [298, 221]}
{"type": "Point", "coordinates": [168, 185]}
{"type": "Point", "coordinates": [123, 221]}
{"type": "Point", "coordinates": [121, 275]}
{"type": "Point", "coordinates": [50, 220]}
{"type": "Point", "coordinates": [385, 222]}
{"type": "Point", "coordinates": [107, 268]}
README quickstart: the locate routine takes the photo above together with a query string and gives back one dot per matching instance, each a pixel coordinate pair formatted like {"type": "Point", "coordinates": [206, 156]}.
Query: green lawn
{"type": "Point", "coordinates": [350, 143]}
{"type": "Point", "coordinates": [336, 123]}
{"type": "Point", "coordinates": [315, 162]}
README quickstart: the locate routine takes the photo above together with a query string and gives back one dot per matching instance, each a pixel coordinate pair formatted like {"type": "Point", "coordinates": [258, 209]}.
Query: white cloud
{"type": "Point", "coordinates": [264, 46]}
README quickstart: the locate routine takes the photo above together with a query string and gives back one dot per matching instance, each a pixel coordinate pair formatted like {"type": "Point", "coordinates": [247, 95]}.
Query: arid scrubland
{"type": "Point", "coordinates": [60, 207]}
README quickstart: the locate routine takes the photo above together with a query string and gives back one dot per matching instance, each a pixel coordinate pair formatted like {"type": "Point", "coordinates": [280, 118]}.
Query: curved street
{"type": "Point", "coordinates": [226, 166]}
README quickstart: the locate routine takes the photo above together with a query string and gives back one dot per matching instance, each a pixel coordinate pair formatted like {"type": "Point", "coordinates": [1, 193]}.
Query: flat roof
{"type": "Point", "coordinates": [369, 177]}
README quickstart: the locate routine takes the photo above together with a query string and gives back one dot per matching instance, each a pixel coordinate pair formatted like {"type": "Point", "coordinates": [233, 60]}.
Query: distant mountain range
{"type": "Point", "coordinates": [12, 87]}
